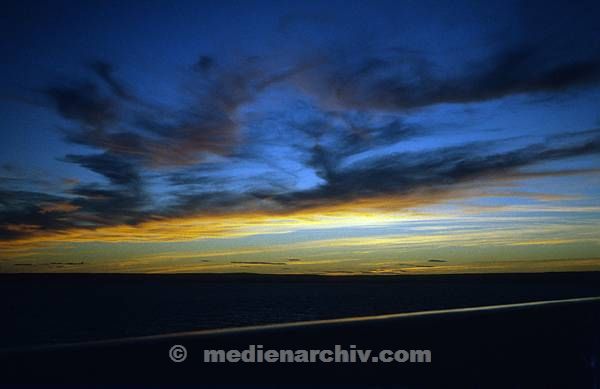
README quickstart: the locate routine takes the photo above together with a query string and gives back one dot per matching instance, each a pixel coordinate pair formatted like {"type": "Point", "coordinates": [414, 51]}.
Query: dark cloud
{"type": "Point", "coordinates": [437, 260]}
{"type": "Point", "coordinates": [204, 64]}
{"type": "Point", "coordinates": [211, 203]}
{"type": "Point", "coordinates": [117, 170]}
{"type": "Point", "coordinates": [84, 206]}
{"type": "Point", "coordinates": [336, 137]}
{"type": "Point", "coordinates": [67, 263]}
{"type": "Point", "coordinates": [8, 167]}
{"type": "Point", "coordinates": [259, 263]}
{"type": "Point", "coordinates": [107, 206]}
{"type": "Point", "coordinates": [121, 200]}
{"type": "Point", "coordinates": [83, 103]}
{"type": "Point", "coordinates": [105, 71]}
{"type": "Point", "coordinates": [21, 214]}
{"type": "Point", "coordinates": [440, 170]}
{"type": "Point", "coordinates": [401, 81]}
{"type": "Point", "coordinates": [53, 264]}
{"type": "Point", "coordinates": [157, 135]}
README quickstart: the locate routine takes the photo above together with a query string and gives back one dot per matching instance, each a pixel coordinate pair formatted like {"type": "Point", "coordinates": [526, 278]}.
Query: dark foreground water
{"type": "Point", "coordinates": [46, 309]}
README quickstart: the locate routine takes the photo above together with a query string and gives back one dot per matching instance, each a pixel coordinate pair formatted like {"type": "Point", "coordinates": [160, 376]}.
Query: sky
{"type": "Point", "coordinates": [338, 137]}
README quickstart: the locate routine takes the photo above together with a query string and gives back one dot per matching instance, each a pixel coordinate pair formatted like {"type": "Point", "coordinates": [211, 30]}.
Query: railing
{"type": "Point", "coordinates": [538, 344]}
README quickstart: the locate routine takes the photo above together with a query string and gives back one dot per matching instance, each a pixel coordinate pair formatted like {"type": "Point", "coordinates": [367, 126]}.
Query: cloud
{"type": "Point", "coordinates": [385, 182]}
{"type": "Point", "coordinates": [83, 103]}
{"type": "Point", "coordinates": [442, 170]}
{"type": "Point", "coordinates": [199, 153]}
{"type": "Point", "coordinates": [57, 207]}
{"type": "Point", "coordinates": [117, 170]}
{"type": "Point", "coordinates": [258, 263]}
{"type": "Point", "coordinates": [23, 213]}
{"type": "Point", "coordinates": [335, 137]}
{"type": "Point", "coordinates": [154, 135]}
{"type": "Point", "coordinates": [105, 71]}
{"type": "Point", "coordinates": [67, 263]}
{"type": "Point", "coordinates": [50, 264]}
{"type": "Point", "coordinates": [401, 80]}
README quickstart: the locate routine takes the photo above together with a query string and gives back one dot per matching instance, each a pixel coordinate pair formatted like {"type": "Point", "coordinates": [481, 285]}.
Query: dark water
{"type": "Point", "coordinates": [46, 309]}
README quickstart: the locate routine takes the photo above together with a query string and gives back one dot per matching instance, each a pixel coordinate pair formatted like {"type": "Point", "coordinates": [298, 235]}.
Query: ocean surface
{"type": "Point", "coordinates": [62, 308]}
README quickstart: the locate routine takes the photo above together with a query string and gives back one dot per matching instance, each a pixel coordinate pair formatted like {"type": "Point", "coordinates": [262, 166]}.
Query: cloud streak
{"type": "Point", "coordinates": [405, 81]}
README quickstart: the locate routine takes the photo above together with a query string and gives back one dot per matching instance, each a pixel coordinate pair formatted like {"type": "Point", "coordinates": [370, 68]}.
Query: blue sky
{"type": "Point", "coordinates": [350, 137]}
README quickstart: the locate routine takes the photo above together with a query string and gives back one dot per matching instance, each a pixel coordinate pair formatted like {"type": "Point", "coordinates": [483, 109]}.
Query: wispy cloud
{"type": "Point", "coordinates": [397, 80]}
{"type": "Point", "coordinates": [180, 171]}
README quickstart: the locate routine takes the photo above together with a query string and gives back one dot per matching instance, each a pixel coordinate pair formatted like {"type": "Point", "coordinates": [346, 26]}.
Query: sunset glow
{"type": "Point", "coordinates": [313, 145]}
